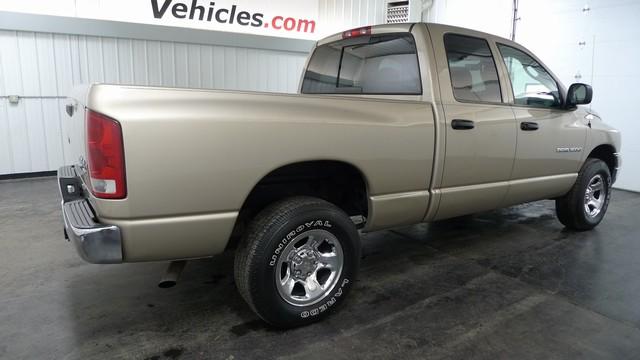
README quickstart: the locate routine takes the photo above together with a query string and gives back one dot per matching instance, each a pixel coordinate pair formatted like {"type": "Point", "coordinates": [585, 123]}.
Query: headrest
{"type": "Point", "coordinates": [461, 78]}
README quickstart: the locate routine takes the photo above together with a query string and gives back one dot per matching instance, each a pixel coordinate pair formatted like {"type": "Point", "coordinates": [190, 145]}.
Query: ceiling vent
{"type": "Point", "coordinates": [397, 12]}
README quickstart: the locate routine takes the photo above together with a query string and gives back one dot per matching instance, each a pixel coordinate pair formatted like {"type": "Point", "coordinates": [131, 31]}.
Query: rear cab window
{"type": "Point", "coordinates": [384, 64]}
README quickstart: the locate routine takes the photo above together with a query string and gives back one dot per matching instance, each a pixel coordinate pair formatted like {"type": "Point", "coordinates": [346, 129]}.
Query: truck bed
{"type": "Point", "coordinates": [193, 156]}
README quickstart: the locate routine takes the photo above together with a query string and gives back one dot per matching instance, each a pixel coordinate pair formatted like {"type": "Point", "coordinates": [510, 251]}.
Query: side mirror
{"type": "Point", "coordinates": [578, 94]}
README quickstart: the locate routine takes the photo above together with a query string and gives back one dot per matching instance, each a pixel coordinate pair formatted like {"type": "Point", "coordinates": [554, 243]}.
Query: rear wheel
{"type": "Point", "coordinates": [585, 205]}
{"type": "Point", "coordinates": [297, 261]}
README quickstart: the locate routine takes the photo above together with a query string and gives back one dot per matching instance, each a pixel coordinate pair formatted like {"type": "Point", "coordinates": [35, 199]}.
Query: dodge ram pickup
{"type": "Point", "coordinates": [393, 125]}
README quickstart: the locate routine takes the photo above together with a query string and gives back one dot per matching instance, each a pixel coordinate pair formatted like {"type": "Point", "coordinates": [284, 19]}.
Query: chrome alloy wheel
{"type": "Point", "coordinates": [595, 196]}
{"type": "Point", "coordinates": [309, 267]}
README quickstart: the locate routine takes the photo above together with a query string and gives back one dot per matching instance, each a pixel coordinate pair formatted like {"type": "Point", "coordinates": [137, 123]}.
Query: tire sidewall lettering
{"type": "Point", "coordinates": [308, 225]}
{"type": "Point", "coordinates": [332, 299]}
{"type": "Point", "coordinates": [326, 304]}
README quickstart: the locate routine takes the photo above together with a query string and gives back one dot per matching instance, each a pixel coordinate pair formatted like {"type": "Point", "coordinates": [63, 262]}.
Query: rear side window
{"type": "Point", "coordinates": [474, 76]}
{"type": "Point", "coordinates": [375, 64]}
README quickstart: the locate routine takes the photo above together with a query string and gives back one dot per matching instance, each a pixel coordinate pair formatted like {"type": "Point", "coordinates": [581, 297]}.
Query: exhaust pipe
{"type": "Point", "coordinates": [172, 274]}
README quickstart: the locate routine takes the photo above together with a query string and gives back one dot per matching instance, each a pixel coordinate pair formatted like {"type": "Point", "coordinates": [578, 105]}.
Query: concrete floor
{"type": "Point", "coordinates": [508, 284]}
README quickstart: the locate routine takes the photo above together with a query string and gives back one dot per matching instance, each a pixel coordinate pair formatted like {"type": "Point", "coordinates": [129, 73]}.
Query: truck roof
{"type": "Point", "coordinates": [406, 27]}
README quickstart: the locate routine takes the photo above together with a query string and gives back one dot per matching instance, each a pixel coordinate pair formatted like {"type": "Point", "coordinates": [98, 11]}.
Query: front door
{"type": "Point", "coordinates": [550, 139]}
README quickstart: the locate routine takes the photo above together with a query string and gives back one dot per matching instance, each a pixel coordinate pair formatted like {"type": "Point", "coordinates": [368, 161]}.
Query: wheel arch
{"type": "Point", "coordinates": [338, 182]}
{"type": "Point", "coordinates": [608, 154]}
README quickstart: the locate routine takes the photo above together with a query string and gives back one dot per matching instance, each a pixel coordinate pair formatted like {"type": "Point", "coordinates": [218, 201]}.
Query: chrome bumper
{"type": "Point", "coordinates": [96, 243]}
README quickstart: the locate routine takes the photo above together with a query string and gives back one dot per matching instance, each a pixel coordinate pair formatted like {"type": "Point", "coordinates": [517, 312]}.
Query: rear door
{"type": "Point", "coordinates": [480, 126]}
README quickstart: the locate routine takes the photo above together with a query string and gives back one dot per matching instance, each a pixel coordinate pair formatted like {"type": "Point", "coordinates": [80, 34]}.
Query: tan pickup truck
{"type": "Point", "coordinates": [394, 125]}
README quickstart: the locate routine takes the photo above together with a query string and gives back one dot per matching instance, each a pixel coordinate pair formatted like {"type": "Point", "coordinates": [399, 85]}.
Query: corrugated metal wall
{"type": "Point", "coordinates": [43, 68]}
{"type": "Point", "coordinates": [345, 14]}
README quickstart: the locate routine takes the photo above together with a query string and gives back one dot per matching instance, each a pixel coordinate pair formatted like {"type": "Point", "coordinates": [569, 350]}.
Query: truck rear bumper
{"type": "Point", "coordinates": [96, 243]}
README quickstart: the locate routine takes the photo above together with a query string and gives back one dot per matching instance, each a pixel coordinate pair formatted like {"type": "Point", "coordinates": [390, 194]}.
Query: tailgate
{"type": "Point", "coordinates": [74, 128]}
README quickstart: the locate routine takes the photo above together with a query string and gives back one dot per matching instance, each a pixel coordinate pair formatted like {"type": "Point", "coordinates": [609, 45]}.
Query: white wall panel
{"type": "Point", "coordinates": [6, 155]}
{"type": "Point", "coordinates": [14, 116]}
{"type": "Point", "coordinates": [154, 63]}
{"type": "Point", "coordinates": [43, 68]}
{"type": "Point", "coordinates": [231, 82]}
{"type": "Point", "coordinates": [339, 15]}
{"type": "Point", "coordinates": [63, 72]}
{"type": "Point", "coordinates": [596, 42]}
{"type": "Point", "coordinates": [490, 16]}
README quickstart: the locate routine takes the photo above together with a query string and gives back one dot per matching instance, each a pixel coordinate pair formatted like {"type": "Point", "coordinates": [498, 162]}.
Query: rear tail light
{"type": "Point", "coordinates": [357, 32]}
{"type": "Point", "coordinates": [105, 156]}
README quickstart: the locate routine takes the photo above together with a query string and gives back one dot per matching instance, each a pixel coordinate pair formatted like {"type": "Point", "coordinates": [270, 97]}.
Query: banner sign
{"type": "Point", "coordinates": [290, 19]}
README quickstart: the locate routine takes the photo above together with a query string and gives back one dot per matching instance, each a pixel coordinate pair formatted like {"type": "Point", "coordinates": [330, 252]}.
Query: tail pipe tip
{"type": "Point", "coordinates": [171, 276]}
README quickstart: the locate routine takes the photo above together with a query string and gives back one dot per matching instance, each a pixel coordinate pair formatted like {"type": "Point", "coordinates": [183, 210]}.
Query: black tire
{"type": "Point", "coordinates": [570, 208]}
{"type": "Point", "coordinates": [263, 244]}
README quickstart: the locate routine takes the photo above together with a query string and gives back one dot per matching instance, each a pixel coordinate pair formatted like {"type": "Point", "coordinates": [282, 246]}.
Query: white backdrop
{"type": "Point", "coordinates": [598, 43]}
{"type": "Point", "coordinates": [491, 16]}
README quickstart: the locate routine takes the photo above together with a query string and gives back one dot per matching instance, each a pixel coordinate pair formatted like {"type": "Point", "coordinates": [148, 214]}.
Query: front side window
{"type": "Point", "coordinates": [532, 85]}
{"type": "Point", "coordinates": [375, 64]}
{"type": "Point", "coordinates": [474, 76]}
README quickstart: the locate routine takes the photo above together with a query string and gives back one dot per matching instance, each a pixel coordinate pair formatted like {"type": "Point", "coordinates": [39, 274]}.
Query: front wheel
{"type": "Point", "coordinates": [584, 206]}
{"type": "Point", "coordinates": [297, 261]}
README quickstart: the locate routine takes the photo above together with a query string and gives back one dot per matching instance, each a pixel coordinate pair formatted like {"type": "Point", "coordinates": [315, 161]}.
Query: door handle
{"type": "Point", "coordinates": [462, 124]}
{"type": "Point", "coordinates": [528, 126]}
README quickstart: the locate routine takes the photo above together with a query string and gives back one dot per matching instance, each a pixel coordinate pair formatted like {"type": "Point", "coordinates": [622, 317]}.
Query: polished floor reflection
{"type": "Point", "coordinates": [509, 284]}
